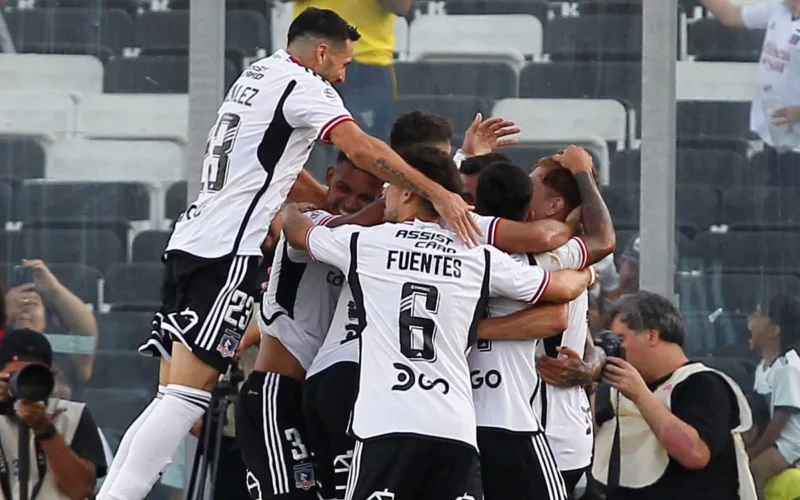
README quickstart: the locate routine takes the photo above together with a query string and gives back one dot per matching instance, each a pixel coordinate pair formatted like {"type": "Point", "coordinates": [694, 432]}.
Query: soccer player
{"type": "Point", "coordinates": [263, 135]}
{"type": "Point", "coordinates": [419, 295]}
{"type": "Point", "coordinates": [471, 169]}
{"type": "Point", "coordinates": [503, 422]}
{"type": "Point", "coordinates": [296, 312]}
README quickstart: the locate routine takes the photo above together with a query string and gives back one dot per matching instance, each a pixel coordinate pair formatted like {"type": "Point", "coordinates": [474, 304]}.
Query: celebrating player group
{"type": "Point", "coordinates": [401, 328]}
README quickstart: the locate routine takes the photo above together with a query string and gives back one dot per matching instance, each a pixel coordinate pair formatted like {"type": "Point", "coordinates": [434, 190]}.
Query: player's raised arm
{"type": "Point", "coordinates": [532, 323]}
{"type": "Point", "coordinates": [598, 228]}
{"type": "Point", "coordinates": [373, 155]}
{"type": "Point", "coordinates": [567, 285]}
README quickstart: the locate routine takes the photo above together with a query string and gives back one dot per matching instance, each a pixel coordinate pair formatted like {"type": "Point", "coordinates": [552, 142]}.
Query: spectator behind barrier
{"type": "Point", "coordinates": [27, 307]}
{"type": "Point", "coordinates": [66, 451]}
{"type": "Point", "coordinates": [677, 424]}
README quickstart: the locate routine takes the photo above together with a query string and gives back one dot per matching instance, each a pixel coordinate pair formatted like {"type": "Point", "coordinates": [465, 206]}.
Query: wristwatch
{"type": "Point", "coordinates": [49, 432]}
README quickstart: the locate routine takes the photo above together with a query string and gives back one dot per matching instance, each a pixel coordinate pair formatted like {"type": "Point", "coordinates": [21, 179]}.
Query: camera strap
{"type": "Point", "coordinates": [5, 476]}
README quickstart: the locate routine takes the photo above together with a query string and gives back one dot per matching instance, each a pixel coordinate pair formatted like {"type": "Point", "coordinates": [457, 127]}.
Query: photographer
{"type": "Point", "coordinates": [667, 428]}
{"type": "Point", "coordinates": [66, 453]}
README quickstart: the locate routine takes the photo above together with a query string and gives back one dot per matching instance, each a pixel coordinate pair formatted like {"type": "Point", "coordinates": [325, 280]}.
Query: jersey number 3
{"type": "Point", "coordinates": [218, 148]}
{"type": "Point", "coordinates": [417, 332]}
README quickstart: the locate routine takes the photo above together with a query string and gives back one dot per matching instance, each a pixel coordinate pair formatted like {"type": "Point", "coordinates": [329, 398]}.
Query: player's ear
{"type": "Point", "coordinates": [329, 176]}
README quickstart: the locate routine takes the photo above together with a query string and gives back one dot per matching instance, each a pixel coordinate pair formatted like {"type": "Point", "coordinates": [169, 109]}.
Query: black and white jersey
{"type": "Point", "coordinates": [262, 137]}
{"type": "Point", "coordinates": [419, 294]}
{"type": "Point", "coordinates": [341, 342]}
{"type": "Point", "coordinates": [299, 302]}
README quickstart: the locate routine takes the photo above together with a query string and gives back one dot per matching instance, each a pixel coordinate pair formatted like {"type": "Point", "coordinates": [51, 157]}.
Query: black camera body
{"type": "Point", "coordinates": [33, 383]}
{"type": "Point", "coordinates": [611, 344]}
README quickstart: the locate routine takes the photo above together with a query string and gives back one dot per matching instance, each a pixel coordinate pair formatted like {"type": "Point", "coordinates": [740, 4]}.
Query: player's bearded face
{"type": "Point", "coordinates": [333, 61]}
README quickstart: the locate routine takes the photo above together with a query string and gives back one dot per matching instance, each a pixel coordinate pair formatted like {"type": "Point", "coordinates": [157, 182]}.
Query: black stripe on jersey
{"type": "Point", "coordinates": [482, 307]}
{"type": "Point", "coordinates": [360, 314]}
{"type": "Point", "coordinates": [291, 273]}
{"type": "Point", "coordinates": [270, 150]}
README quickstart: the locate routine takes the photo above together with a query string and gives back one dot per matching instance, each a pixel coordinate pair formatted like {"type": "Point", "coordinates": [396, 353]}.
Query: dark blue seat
{"type": "Point", "coordinates": [112, 28]}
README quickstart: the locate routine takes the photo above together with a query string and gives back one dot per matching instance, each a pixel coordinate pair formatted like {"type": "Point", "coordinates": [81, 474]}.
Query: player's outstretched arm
{"type": "Point", "coordinates": [295, 226]}
{"type": "Point", "coordinates": [374, 156]}
{"type": "Point", "coordinates": [534, 236]}
{"type": "Point", "coordinates": [598, 228]}
{"type": "Point", "coordinates": [533, 323]}
{"type": "Point", "coordinates": [306, 189]}
{"type": "Point", "coordinates": [368, 216]}
{"type": "Point", "coordinates": [726, 11]}
{"type": "Point", "coordinates": [565, 286]}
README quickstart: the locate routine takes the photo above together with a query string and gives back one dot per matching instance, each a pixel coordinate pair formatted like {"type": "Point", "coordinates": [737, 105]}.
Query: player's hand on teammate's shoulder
{"type": "Point", "coordinates": [575, 159]}
{"type": "Point", "coordinates": [455, 211]}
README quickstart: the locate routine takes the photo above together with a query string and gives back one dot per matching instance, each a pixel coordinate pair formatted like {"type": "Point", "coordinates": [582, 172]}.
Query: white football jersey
{"type": "Point", "coordinates": [763, 379]}
{"type": "Point", "coordinates": [419, 294]}
{"type": "Point", "coordinates": [786, 395]}
{"type": "Point", "coordinates": [341, 343]}
{"type": "Point", "coordinates": [261, 138]}
{"type": "Point", "coordinates": [778, 71]}
{"type": "Point", "coordinates": [298, 304]}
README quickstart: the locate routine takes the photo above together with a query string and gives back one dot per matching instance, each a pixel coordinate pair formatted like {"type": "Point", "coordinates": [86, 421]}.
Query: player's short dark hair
{"type": "Point", "coordinates": [419, 127]}
{"type": "Point", "coordinates": [783, 310]}
{"type": "Point", "coordinates": [561, 181]}
{"type": "Point", "coordinates": [475, 164]}
{"type": "Point", "coordinates": [503, 190]}
{"type": "Point", "coordinates": [322, 23]}
{"type": "Point", "coordinates": [434, 164]}
{"type": "Point", "coordinates": [343, 159]}
{"type": "Point", "coordinates": [643, 310]}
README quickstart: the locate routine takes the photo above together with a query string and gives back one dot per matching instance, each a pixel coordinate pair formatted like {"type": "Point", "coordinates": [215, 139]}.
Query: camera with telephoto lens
{"type": "Point", "coordinates": [33, 383]}
{"type": "Point", "coordinates": [611, 344]}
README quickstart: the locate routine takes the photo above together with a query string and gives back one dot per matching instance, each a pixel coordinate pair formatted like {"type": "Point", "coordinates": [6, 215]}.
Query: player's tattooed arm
{"type": "Point", "coordinates": [295, 226]}
{"type": "Point", "coordinates": [597, 226]}
{"type": "Point", "coordinates": [532, 323]}
{"type": "Point", "coordinates": [534, 236]}
{"type": "Point", "coordinates": [395, 176]}
{"type": "Point", "coordinates": [568, 369]}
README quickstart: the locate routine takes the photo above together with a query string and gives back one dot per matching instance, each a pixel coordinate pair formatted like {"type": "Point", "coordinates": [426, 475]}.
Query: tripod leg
{"type": "Point", "coordinates": [213, 466]}
{"type": "Point", "coordinates": [197, 478]}
{"type": "Point", "coordinates": [190, 484]}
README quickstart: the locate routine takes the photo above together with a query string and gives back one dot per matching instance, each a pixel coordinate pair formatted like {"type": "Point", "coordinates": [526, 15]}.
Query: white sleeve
{"type": "Point", "coordinates": [571, 255]}
{"type": "Point", "coordinates": [786, 387]}
{"type": "Point", "coordinates": [488, 226]}
{"type": "Point", "coordinates": [331, 246]}
{"type": "Point", "coordinates": [756, 16]}
{"type": "Point", "coordinates": [316, 105]}
{"type": "Point", "coordinates": [607, 274]}
{"type": "Point", "coordinates": [318, 218]}
{"type": "Point", "coordinates": [515, 280]}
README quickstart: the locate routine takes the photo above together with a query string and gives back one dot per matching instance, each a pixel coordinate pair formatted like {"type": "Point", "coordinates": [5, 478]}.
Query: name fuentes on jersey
{"type": "Point", "coordinates": [440, 265]}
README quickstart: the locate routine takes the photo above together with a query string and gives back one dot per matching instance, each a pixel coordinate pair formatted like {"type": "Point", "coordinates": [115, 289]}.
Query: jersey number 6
{"type": "Point", "coordinates": [417, 332]}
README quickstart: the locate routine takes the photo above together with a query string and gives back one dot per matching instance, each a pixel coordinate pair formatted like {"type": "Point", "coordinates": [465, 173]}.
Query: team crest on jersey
{"type": "Point", "coordinates": [304, 476]}
{"type": "Point", "coordinates": [795, 40]}
{"type": "Point", "coordinates": [330, 93]}
{"type": "Point", "coordinates": [227, 346]}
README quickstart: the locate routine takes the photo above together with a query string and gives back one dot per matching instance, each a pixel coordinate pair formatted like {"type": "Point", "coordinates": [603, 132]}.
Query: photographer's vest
{"type": "Point", "coordinates": [643, 460]}
{"type": "Point", "coordinates": [66, 415]}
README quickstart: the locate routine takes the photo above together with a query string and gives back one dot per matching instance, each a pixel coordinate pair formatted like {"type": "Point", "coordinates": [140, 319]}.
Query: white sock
{"type": "Point", "coordinates": [125, 444]}
{"type": "Point", "coordinates": [156, 441]}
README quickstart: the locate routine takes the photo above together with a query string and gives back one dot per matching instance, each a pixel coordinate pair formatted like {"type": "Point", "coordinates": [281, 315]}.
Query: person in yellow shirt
{"type": "Point", "coordinates": [368, 91]}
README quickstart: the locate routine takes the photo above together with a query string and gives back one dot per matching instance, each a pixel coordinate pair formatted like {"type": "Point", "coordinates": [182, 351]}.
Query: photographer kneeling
{"type": "Point", "coordinates": [64, 456]}
{"type": "Point", "coordinates": [667, 428]}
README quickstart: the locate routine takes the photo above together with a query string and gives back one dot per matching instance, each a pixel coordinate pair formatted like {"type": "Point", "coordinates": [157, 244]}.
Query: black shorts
{"type": "Point", "coordinates": [414, 467]}
{"type": "Point", "coordinates": [572, 478]}
{"type": "Point", "coordinates": [518, 466]}
{"type": "Point", "coordinates": [205, 305]}
{"type": "Point", "coordinates": [271, 433]}
{"type": "Point", "coordinates": [327, 404]}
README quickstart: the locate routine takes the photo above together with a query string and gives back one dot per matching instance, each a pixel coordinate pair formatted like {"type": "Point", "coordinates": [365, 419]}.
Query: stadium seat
{"type": "Point", "coordinates": [123, 370]}
{"type": "Point", "coordinates": [116, 407]}
{"type": "Point", "coordinates": [6, 203]}
{"type": "Point", "coordinates": [487, 80]}
{"type": "Point", "coordinates": [583, 79]}
{"type": "Point", "coordinates": [536, 8]}
{"type": "Point", "coordinates": [604, 38]}
{"type": "Point", "coordinates": [460, 110]}
{"type": "Point", "coordinates": [43, 114]}
{"type": "Point", "coordinates": [120, 227]}
{"type": "Point", "coordinates": [137, 117]}
{"type": "Point", "coordinates": [176, 200]}
{"type": "Point", "coordinates": [506, 37]}
{"type": "Point", "coordinates": [526, 156]}
{"type": "Point", "coordinates": [31, 72]}
{"type": "Point", "coordinates": [104, 54]}
{"type": "Point", "coordinates": [247, 30]}
{"type": "Point", "coordinates": [230, 5]}
{"type": "Point", "coordinates": [116, 161]}
{"type": "Point", "coordinates": [740, 293]}
{"type": "Point", "coordinates": [100, 249]}
{"type": "Point", "coordinates": [11, 247]}
{"type": "Point", "coordinates": [98, 200]}
{"type": "Point", "coordinates": [135, 285]}
{"type": "Point", "coordinates": [695, 206]}
{"type": "Point", "coordinates": [111, 28]}
{"type": "Point", "coordinates": [148, 246]}
{"type": "Point", "coordinates": [21, 158]}
{"type": "Point", "coordinates": [715, 81]}
{"type": "Point", "coordinates": [693, 166]}
{"type": "Point", "coordinates": [788, 161]}
{"type": "Point", "coordinates": [129, 6]}
{"type": "Point", "coordinates": [711, 40]}
{"type": "Point", "coordinates": [154, 75]}
{"type": "Point", "coordinates": [123, 330]}
{"type": "Point", "coordinates": [755, 206]}
{"type": "Point", "coordinates": [610, 8]}
{"type": "Point", "coordinates": [749, 251]}
{"type": "Point", "coordinates": [713, 119]}
{"type": "Point", "coordinates": [79, 279]}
